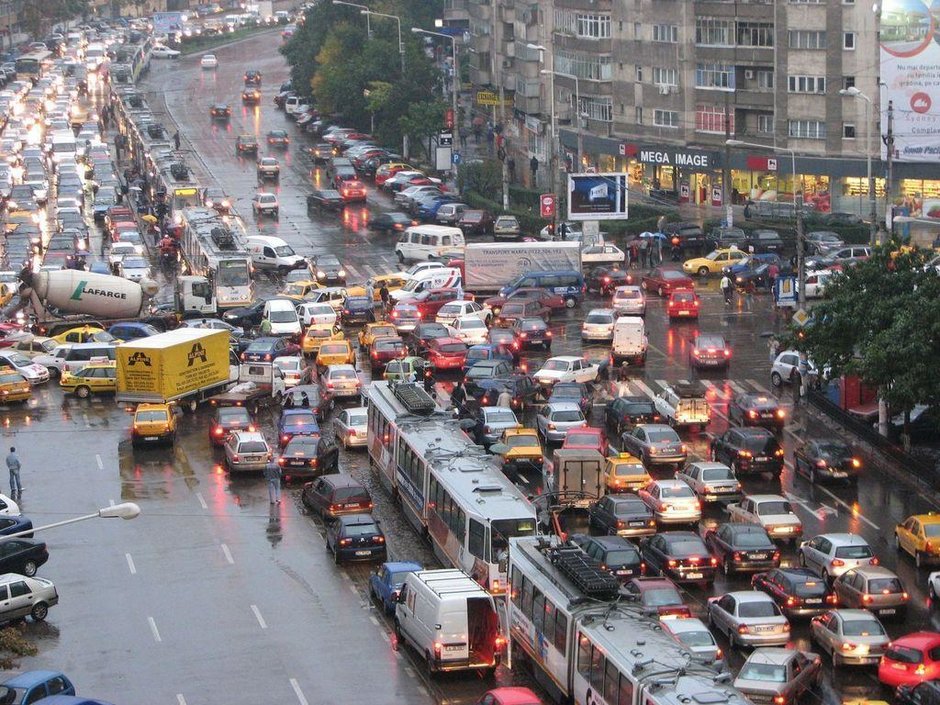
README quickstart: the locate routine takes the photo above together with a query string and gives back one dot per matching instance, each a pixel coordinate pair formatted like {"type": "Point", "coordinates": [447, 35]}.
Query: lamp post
{"type": "Point", "coordinates": [553, 154]}
{"type": "Point", "coordinates": [854, 92]}
{"type": "Point", "coordinates": [401, 45]}
{"type": "Point", "coordinates": [361, 7]}
{"type": "Point", "coordinates": [456, 82]}
{"type": "Point", "coordinates": [577, 106]}
{"type": "Point", "coordinates": [126, 510]}
{"type": "Point", "coordinates": [797, 207]}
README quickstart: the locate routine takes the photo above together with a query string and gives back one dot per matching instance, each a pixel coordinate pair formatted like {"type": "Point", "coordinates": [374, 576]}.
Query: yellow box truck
{"type": "Point", "coordinates": [185, 365]}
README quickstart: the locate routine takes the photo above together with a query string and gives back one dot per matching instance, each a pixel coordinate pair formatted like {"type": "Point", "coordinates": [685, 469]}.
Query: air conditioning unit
{"type": "Point", "coordinates": [507, 63]}
{"type": "Point", "coordinates": [664, 89]}
{"type": "Point", "coordinates": [749, 74]}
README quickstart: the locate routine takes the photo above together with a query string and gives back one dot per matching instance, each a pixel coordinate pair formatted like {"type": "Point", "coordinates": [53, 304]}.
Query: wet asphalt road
{"type": "Point", "coordinates": [212, 595]}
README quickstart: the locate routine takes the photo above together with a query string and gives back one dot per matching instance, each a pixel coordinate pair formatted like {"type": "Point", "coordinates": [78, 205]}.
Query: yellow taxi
{"type": "Point", "coordinates": [713, 262]}
{"type": "Point", "coordinates": [96, 378]}
{"type": "Point", "coordinates": [13, 386]}
{"type": "Point", "coordinates": [315, 336]}
{"type": "Point", "coordinates": [299, 290]}
{"type": "Point", "coordinates": [919, 535]}
{"type": "Point", "coordinates": [393, 282]}
{"type": "Point", "coordinates": [85, 334]}
{"type": "Point", "coordinates": [339, 352]}
{"type": "Point", "coordinates": [371, 331]}
{"type": "Point", "coordinates": [625, 473]}
{"type": "Point", "coordinates": [153, 423]}
{"type": "Point", "coordinates": [523, 449]}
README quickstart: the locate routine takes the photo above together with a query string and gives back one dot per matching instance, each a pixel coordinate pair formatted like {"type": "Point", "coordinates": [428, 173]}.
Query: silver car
{"type": "Point", "coordinates": [831, 555]}
{"type": "Point", "coordinates": [342, 381]}
{"type": "Point", "coordinates": [629, 301]}
{"type": "Point", "coordinates": [554, 420]}
{"type": "Point", "coordinates": [22, 597]}
{"type": "Point", "coordinates": [692, 633]}
{"type": "Point", "coordinates": [246, 451]}
{"type": "Point", "coordinates": [493, 421]}
{"type": "Point", "coordinates": [874, 588]}
{"type": "Point", "coordinates": [850, 637]}
{"type": "Point", "coordinates": [748, 618]}
{"type": "Point", "coordinates": [351, 427]}
{"type": "Point", "coordinates": [778, 676]}
{"type": "Point", "coordinates": [711, 482]}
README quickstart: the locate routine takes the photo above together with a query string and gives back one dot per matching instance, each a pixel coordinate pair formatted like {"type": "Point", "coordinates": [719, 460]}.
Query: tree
{"type": "Point", "coordinates": [423, 120]}
{"type": "Point", "coordinates": [13, 645]}
{"type": "Point", "coordinates": [484, 178]}
{"type": "Point", "coordinates": [36, 18]}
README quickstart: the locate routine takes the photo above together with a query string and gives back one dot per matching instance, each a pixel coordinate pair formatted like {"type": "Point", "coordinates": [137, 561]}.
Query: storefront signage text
{"type": "Point", "coordinates": [652, 156]}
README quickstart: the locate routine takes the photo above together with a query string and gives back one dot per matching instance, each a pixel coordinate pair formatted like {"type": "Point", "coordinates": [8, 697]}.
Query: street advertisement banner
{"type": "Point", "coordinates": [597, 196]}
{"type": "Point", "coordinates": [167, 22]}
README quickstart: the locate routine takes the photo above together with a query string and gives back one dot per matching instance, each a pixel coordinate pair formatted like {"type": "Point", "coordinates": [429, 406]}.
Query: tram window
{"type": "Point", "coordinates": [538, 611]}
{"type": "Point", "coordinates": [477, 544]}
{"type": "Point", "coordinates": [461, 528]}
{"type": "Point", "coordinates": [584, 657]}
{"type": "Point", "coordinates": [561, 629]}
{"type": "Point", "coordinates": [548, 626]}
{"type": "Point", "coordinates": [612, 683]}
{"type": "Point", "coordinates": [515, 578]}
{"type": "Point", "coordinates": [597, 670]}
{"type": "Point", "coordinates": [527, 599]}
{"type": "Point", "coordinates": [626, 691]}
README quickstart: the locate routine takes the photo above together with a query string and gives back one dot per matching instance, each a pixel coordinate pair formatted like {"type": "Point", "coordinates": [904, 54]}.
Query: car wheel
{"type": "Point", "coordinates": [703, 271]}
{"type": "Point", "coordinates": [775, 379]}
{"type": "Point", "coordinates": [430, 662]}
{"type": "Point", "coordinates": [82, 392]}
{"type": "Point", "coordinates": [399, 637]}
{"type": "Point", "coordinates": [931, 592]}
{"type": "Point", "coordinates": [39, 611]}
{"type": "Point", "coordinates": [919, 559]}
{"type": "Point", "coordinates": [827, 579]}
{"type": "Point", "coordinates": [660, 292]}
{"type": "Point", "coordinates": [30, 568]}
{"type": "Point", "coordinates": [401, 257]}
{"type": "Point", "coordinates": [728, 566]}
{"type": "Point", "coordinates": [54, 372]}
{"type": "Point", "coordinates": [897, 543]}
{"type": "Point", "coordinates": [570, 302]}
{"type": "Point", "coordinates": [812, 475]}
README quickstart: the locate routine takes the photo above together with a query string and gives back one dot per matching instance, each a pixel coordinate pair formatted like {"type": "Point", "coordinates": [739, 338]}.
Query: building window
{"type": "Point", "coordinates": [805, 2]}
{"type": "Point", "coordinates": [639, 115]}
{"type": "Point", "coordinates": [564, 21]}
{"type": "Point", "coordinates": [711, 118]}
{"type": "Point", "coordinates": [848, 41]}
{"type": "Point", "coordinates": [638, 72]}
{"type": "Point", "coordinates": [848, 81]}
{"type": "Point", "coordinates": [765, 80]}
{"type": "Point", "coordinates": [806, 84]}
{"type": "Point", "coordinates": [666, 33]}
{"type": "Point", "coordinates": [807, 39]}
{"type": "Point", "coordinates": [807, 129]}
{"type": "Point", "coordinates": [714, 76]}
{"type": "Point", "coordinates": [593, 67]}
{"type": "Point", "coordinates": [601, 109]}
{"type": "Point", "coordinates": [755, 34]}
{"type": "Point", "coordinates": [593, 26]}
{"type": "Point", "coordinates": [665, 77]}
{"type": "Point", "coordinates": [848, 131]}
{"type": "Point", "coordinates": [666, 118]}
{"type": "Point", "coordinates": [765, 124]}
{"type": "Point", "coordinates": [637, 30]}
{"type": "Point", "coordinates": [711, 31]}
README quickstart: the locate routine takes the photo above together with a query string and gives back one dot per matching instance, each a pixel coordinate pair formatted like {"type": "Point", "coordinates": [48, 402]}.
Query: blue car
{"type": "Point", "coordinates": [385, 584]}
{"type": "Point", "coordinates": [296, 422]}
{"type": "Point", "coordinates": [31, 686]}
{"type": "Point", "coordinates": [132, 330]}
{"type": "Point", "coordinates": [428, 211]}
{"type": "Point", "coordinates": [747, 264]}
{"type": "Point", "coordinates": [71, 700]}
{"type": "Point", "coordinates": [486, 351]}
{"type": "Point", "coordinates": [358, 309]}
{"type": "Point", "coordinates": [266, 349]}
{"type": "Point", "coordinates": [16, 524]}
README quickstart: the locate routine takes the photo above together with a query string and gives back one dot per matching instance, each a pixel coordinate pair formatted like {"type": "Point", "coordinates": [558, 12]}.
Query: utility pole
{"type": "Point", "coordinates": [726, 172]}
{"type": "Point", "coordinates": [889, 173]}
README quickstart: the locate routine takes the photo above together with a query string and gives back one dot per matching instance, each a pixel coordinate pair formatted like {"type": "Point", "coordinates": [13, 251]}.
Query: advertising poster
{"type": "Point", "coordinates": [597, 196]}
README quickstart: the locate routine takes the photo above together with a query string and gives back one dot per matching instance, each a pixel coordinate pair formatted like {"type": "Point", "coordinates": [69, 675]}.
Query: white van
{"type": "Point", "coordinates": [268, 252]}
{"type": "Point", "coordinates": [283, 317]}
{"type": "Point", "coordinates": [429, 242]}
{"type": "Point", "coordinates": [630, 342]}
{"type": "Point", "coordinates": [63, 146]}
{"type": "Point", "coordinates": [438, 278]}
{"type": "Point", "coordinates": [450, 620]}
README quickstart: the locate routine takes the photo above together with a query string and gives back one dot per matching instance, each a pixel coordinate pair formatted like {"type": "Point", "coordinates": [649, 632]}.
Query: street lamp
{"type": "Point", "coordinates": [797, 207]}
{"type": "Point", "coordinates": [361, 7]}
{"type": "Point", "coordinates": [553, 154]}
{"type": "Point", "coordinates": [456, 82]}
{"type": "Point", "coordinates": [854, 92]}
{"type": "Point", "coordinates": [401, 45]}
{"type": "Point", "coordinates": [126, 510]}
{"type": "Point", "coordinates": [577, 105]}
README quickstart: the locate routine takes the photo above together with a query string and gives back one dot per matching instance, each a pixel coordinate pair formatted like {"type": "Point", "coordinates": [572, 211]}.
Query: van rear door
{"type": "Point", "coordinates": [453, 634]}
{"type": "Point", "coordinates": [482, 631]}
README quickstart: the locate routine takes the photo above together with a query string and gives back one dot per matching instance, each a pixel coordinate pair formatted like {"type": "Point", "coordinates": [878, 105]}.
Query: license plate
{"type": "Point", "coordinates": [454, 647]}
{"type": "Point", "coordinates": [888, 611]}
{"type": "Point", "coordinates": [252, 458]}
{"type": "Point", "coordinates": [297, 463]}
{"type": "Point", "coordinates": [763, 629]}
{"type": "Point", "coordinates": [758, 556]}
{"type": "Point", "coordinates": [683, 313]}
{"type": "Point", "coordinates": [762, 458]}
{"type": "Point", "coordinates": [694, 576]}
{"type": "Point", "coordinates": [637, 523]}
{"type": "Point", "coordinates": [624, 572]}
{"type": "Point", "coordinates": [363, 553]}
{"type": "Point", "coordinates": [150, 438]}
{"type": "Point", "coordinates": [767, 416]}
{"type": "Point", "coordinates": [784, 529]}
{"type": "Point", "coordinates": [814, 601]}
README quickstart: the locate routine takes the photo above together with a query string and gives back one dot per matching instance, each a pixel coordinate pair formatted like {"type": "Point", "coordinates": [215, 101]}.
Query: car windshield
{"type": "Point", "coordinates": [630, 507]}
{"type": "Point", "coordinates": [762, 608]}
{"type": "Point", "coordinates": [452, 347]}
{"type": "Point", "coordinates": [863, 627]}
{"type": "Point", "coordinates": [500, 416]}
{"type": "Point", "coordinates": [471, 323]}
{"type": "Point", "coordinates": [885, 586]}
{"type": "Point", "coordinates": [672, 274]}
{"type": "Point", "coordinates": [568, 415]}
{"type": "Point", "coordinates": [343, 374]}
{"type": "Point", "coordinates": [694, 639]}
{"type": "Point", "coordinates": [810, 588]}
{"type": "Point", "coordinates": [760, 444]}
{"type": "Point", "coordinates": [599, 318]}
{"type": "Point", "coordinates": [357, 419]}
{"type": "Point", "coordinates": [582, 439]}
{"type": "Point", "coordinates": [151, 416]}
{"type": "Point", "coordinates": [627, 294]}
{"type": "Point", "coordinates": [389, 346]}
{"type": "Point", "coordinates": [300, 420]}
{"type": "Point", "coordinates": [764, 672]}
{"type": "Point", "coordinates": [283, 250]}
{"type": "Point", "coordinates": [660, 436]}
{"type": "Point", "coordinates": [10, 379]}
{"type": "Point", "coordinates": [684, 549]}
{"type": "Point", "coordinates": [932, 530]}
{"type": "Point", "coordinates": [233, 415]}
{"type": "Point", "coordinates": [334, 349]}
{"type": "Point", "coordinates": [856, 552]}
{"type": "Point", "coordinates": [302, 445]}
{"type": "Point", "coordinates": [521, 441]}
{"type": "Point", "coordinates": [660, 597]}
{"type": "Point", "coordinates": [708, 341]}
{"type": "Point", "coordinates": [683, 296]}
{"type": "Point", "coordinates": [713, 474]}
{"type": "Point", "coordinates": [555, 366]}
{"type": "Point", "coordinates": [676, 492]}
{"type": "Point", "coordinates": [621, 556]}
{"type": "Point", "coordinates": [776, 507]}
{"type": "Point", "coordinates": [752, 539]}
{"type": "Point", "coordinates": [624, 469]}
{"type": "Point", "coordinates": [285, 316]}
{"type": "Point", "coordinates": [361, 529]}
{"type": "Point", "coordinates": [252, 447]}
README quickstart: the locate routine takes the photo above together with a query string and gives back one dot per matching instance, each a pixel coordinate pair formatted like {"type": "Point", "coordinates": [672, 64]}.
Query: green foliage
{"type": "Point", "coordinates": [880, 321]}
{"type": "Point", "coordinates": [13, 645]}
{"type": "Point", "coordinates": [36, 18]}
{"type": "Point", "coordinates": [484, 179]}
{"type": "Point", "coordinates": [422, 120]}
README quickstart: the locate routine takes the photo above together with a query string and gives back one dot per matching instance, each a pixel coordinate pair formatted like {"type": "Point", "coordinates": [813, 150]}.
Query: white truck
{"type": "Point", "coordinates": [259, 384]}
{"type": "Point", "coordinates": [684, 405]}
{"type": "Point", "coordinates": [490, 266]}
{"type": "Point", "coordinates": [630, 343]}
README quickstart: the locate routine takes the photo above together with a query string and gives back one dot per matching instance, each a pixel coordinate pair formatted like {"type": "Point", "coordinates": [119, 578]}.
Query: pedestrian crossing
{"type": "Point", "coordinates": [717, 391]}
{"type": "Point", "coordinates": [359, 272]}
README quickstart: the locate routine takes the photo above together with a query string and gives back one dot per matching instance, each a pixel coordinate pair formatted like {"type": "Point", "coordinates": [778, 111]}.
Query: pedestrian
{"type": "Point", "coordinates": [634, 254]}
{"type": "Point", "coordinates": [176, 140]}
{"type": "Point", "coordinates": [265, 326]}
{"type": "Point", "coordinates": [458, 396]}
{"type": "Point", "coordinates": [534, 169]}
{"type": "Point", "coordinates": [511, 165]}
{"type": "Point", "coordinates": [726, 288]}
{"type": "Point", "coordinates": [773, 346]}
{"type": "Point", "coordinates": [747, 211]}
{"type": "Point", "coordinates": [370, 292]}
{"type": "Point", "coordinates": [13, 464]}
{"type": "Point", "coordinates": [272, 473]}
{"type": "Point", "coordinates": [749, 290]}
{"type": "Point", "coordinates": [463, 139]}
{"type": "Point", "coordinates": [504, 399]}
{"type": "Point", "coordinates": [490, 137]}
{"type": "Point", "coordinates": [459, 289]}
{"type": "Point", "coordinates": [428, 378]}
{"type": "Point", "coordinates": [627, 257]}
{"type": "Point", "coordinates": [644, 252]}
{"type": "Point", "coordinates": [384, 295]}
{"type": "Point", "coordinates": [658, 250]}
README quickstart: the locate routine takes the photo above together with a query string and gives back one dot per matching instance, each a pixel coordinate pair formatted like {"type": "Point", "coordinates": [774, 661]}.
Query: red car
{"type": "Point", "coordinates": [352, 191]}
{"type": "Point", "coordinates": [910, 660]}
{"type": "Point", "coordinates": [664, 281]}
{"type": "Point", "coordinates": [548, 299]}
{"type": "Point", "coordinates": [657, 597]}
{"type": "Point", "coordinates": [586, 438]}
{"type": "Point", "coordinates": [429, 304]}
{"type": "Point", "coordinates": [447, 353]}
{"type": "Point", "coordinates": [384, 350]}
{"type": "Point", "coordinates": [510, 695]}
{"type": "Point", "coordinates": [683, 303]}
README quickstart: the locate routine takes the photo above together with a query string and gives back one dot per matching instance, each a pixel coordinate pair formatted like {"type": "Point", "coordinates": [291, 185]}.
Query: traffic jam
{"type": "Point", "coordinates": [587, 531]}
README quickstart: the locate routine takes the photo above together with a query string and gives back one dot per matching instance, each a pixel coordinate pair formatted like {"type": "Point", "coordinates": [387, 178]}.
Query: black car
{"type": "Point", "coordinates": [320, 153]}
{"type": "Point", "coordinates": [604, 280]}
{"type": "Point", "coordinates": [751, 450]}
{"type": "Point", "coordinates": [522, 388]}
{"type": "Point", "coordinates": [252, 78]}
{"type": "Point", "coordinates": [358, 309]}
{"type": "Point", "coordinates": [247, 316]}
{"type": "Point", "coordinates": [764, 241]}
{"type": "Point", "coordinates": [826, 459]}
{"type": "Point", "coordinates": [278, 139]}
{"type": "Point", "coordinates": [329, 271]}
{"type": "Point", "coordinates": [308, 456]}
{"type": "Point", "coordinates": [679, 555]}
{"type": "Point", "coordinates": [753, 409]}
{"type": "Point", "coordinates": [418, 338]}
{"type": "Point", "coordinates": [925, 693]}
{"type": "Point", "coordinates": [390, 222]}
{"type": "Point", "coordinates": [529, 332]}
{"type": "Point", "coordinates": [615, 554]}
{"type": "Point", "coordinates": [226, 420]}
{"type": "Point", "coordinates": [251, 95]}
{"type": "Point", "coordinates": [798, 592]}
{"type": "Point", "coordinates": [573, 392]}
{"type": "Point", "coordinates": [23, 556]}
{"type": "Point", "coordinates": [246, 144]}
{"type": "Point", "coordinates": [215, 198]}
{"type": "Point", "coordinates": [220, 111]}
{"type": "Point", "coordinates": [484, 370]}
{"type": "Point", "coordinates": [355, 537]}
{"type": "Point", "coordinates": [689, 236]}
{"type": "Point", "coordinates": [333, 495]}
{"type": "Point", "coordinates": [325, 199]}
{"type": "Point", "coordinates": [710, 352]}
{"type": "Point", "coordinates": [623, 413]}
{"type": "Point", "coordinates": [754, 272]}
{"type": "Point", "coordinates": [312, 396]}
{"type": "Point", "coordinates": [622, 515]}
{"type": "Point", "coordinates": [740, 547]}
{"type": "Point", "coordinates": [722, 237]}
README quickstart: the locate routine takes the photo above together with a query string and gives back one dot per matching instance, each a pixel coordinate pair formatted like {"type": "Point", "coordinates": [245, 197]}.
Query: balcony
{"type": "Point", "coordinates": [525, 53]}
{"type": "Point", "coordinates": [528, 89]}
{"type": "Point", "coordinates": [528, 105]}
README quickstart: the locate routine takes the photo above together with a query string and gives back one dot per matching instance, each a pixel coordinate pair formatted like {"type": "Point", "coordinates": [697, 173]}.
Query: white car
{"type": "Point", "coordinates": [566, 368]}
{"type": "Point", "coordinates": [265, 204]}
{"type": "Point", "coordinates": [133, 267]}
{"type": "Point", "coordinates": [816, 283]}
{"type": "Point", "coordinates": [451, 311]}
{"type": "Point", "coordinates": [208, 61]}
{"type": "Point", "coordinates": [164, 52]}
{"type": "Point", "coordinates": [418, 268]}
{"type": "Point", "coordinates": [629, 301]}
{"type": "Point", "coordinates": [34, 372]}
{"type": "Point", "coordinates": [294, 368]}
{"type": "Point", "coordinates": [31, 345]}
{"type": "Point", "coordinates": [54, 362]}
{"type": "Point", "coordinates": [602, 254]}
{"type": "Point", "coordinates": [342, 381]}
{"type": "Point", "coordinates": [283, 317]}
{"type": "Point", "coordinates": [470, 329]}
{"type": "Point", "coordinates": [599, 324]}
{"type": "Point", "coordinates": [773, 512]}
{"type": "Point", "coordinates": [29, 597]}
{"type": "Point", "coordinates": [786, 368]}
{"type": "Point", "coordinates": [350, 427]}
{"type": "Point", "coordinates": [672, 502]}
{"type": "Point", "coordinates": [8, 506]}
{"type": "Point", "coordinates": [317, 314]}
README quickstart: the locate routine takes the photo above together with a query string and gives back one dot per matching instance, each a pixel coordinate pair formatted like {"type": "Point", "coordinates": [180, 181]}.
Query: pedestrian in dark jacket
{"type": "Point", "coordinates": [272, 475]}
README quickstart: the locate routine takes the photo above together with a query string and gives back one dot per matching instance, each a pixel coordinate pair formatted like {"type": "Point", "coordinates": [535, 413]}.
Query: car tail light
{"type": "Point", "coordinates": [779, 452]}
{"type": "Point", "coordinates": [846, 646]}
{"type": "Point", "coordinates": [673, 563]}
{"type": "Point", "coordinates": [791, 601]}
{"type": "Point", "coordinates": [776, 555]}
{"type": "Point", "coordinates": [727, 352]}
{"type": "Point", "coordinates": [786, 626]}
{"type": "Point", "coordinates": [856, 463]}
{"type": "Point", "coordinates": [920, 670]}
{"type": "Point", "coordinates": [866, 599]}
{"type": "Point", "coordinates": [695, 352]}
{"type": "Point", "coordinates": [437, 647]}
{"type": "Point", "coordinates": [548, 333]}
{"type": "Point", "coordinates": [744, 453]}
{"type": "Point", "coordinates": [218, 431]}
{"type": "Point", "coordinates": [695, 303]}
{"type": "Point", "coordinates": [838, 562]}
{"type": "Point", "coordinates": [780, 700]}
{"type": "Point", "coordinates": [621, 524]}
{"type": "Point", "coordinates": [713, 562]}
{"type": "Point", "coordinates": [379, 539]}
{"type": "Point", "coordinates": [281, 461]}
{"type": "Point", "coordinates": [832, 599]}
{"type": "Point", "coordinates": [736, 556]}
{"type": "Point", "coordinates": [905, 596]}
{"type": "Point", "coordinates": [235, 458]}
{"type": "Point", "coordinates": [752, 414]}
{"type": "Point", "coordinates": [781, 413]}
{"type": "Point", "coordinates": [345, 542]}
{"type": "Point", "coordinates": [499, 642]}
{"type": "Point", "coordinates": [743, 629]}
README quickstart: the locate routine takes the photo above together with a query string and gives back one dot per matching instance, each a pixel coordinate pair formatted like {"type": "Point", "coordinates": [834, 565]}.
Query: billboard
{"type": "Point", "coordinates": [910, 69]}
{"type": "Point", "coordinates": [167, 22]}
{"type": "Point", "coordinates": [597, 196]}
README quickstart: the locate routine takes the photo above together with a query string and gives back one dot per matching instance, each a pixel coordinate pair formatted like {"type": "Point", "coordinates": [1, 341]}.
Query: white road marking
{"type": "Point", "coordinates": [662, 383]}
{"type": "Point", "coordinates": [257, 613]}
{"type": "Point", "coordinates": [111, 502]}
{"type": "Point", "coordinates": [154, 630]}
{"type": "Point", "coordinates": [130, 564]}
{"type": "Point", "coordinates": [385, 636]}
{"type": "Point", "coordinates": [353, 590]}
{"type": "Point", "coordinates": [85, 418]}
{"type": "Point", "coordinates": [202, 500]}
{"type": "Point", "coordinates": [736, 387]}
{"type": "Point", "coordinates": [423, 690]}
{"type": "Point", "coordinates": [180, 699]}
{"type": "Point", "coordinates": [758, 386]}
{"type": "Point", "coordinates": [851, 510]}
{"type": "Point", "coordinates": [644, 389]}
{"type": "Point", "coordinates": [373, 620]}
{"type": "Point", "coordinates": [410, 671]}
{"type": "Point", "coordinates": [228, 554]}
{"type": "Point", "coordinates": [298, 692]}
{"type": "Point", "coordinates": [799, 501]}
{"type": "Point", "coordinates": [99, 461]}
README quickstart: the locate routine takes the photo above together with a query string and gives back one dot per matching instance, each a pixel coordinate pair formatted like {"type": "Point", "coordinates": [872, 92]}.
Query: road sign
{"type": "Point", "coordinates": [801, 317]}
{"type": "Point", "coordinates": [456, 158]}
{"type": "Point", "coordinates": [445, 139]}
{"type": "Point", "coordinates": [449, 118]}
{"type": "Point", "coordinates": [785, 293]}
{"type": "Point", "coordinates": [547, 205]}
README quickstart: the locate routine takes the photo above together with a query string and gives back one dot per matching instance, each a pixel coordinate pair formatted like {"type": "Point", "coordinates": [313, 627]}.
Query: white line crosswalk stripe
{"type": "Point", "coordinates": [758, 386]}
{"type": "Point", "coordinates": [736, 387]}
{"type": "Point", "coordinates": [643, 388]}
